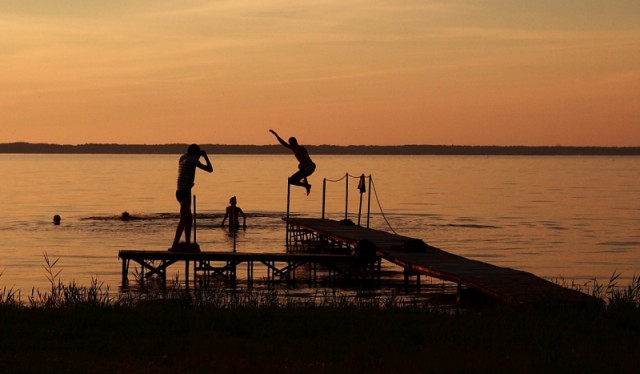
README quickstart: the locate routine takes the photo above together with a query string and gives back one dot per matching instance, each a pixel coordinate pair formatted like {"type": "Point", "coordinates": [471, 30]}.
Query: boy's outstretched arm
{"type": "Point", "coordinates": [280, 139]}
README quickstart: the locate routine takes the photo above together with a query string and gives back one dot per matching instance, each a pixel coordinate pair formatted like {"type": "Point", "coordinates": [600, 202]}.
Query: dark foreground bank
{"type": "Point", "coordinates": [170, 337]}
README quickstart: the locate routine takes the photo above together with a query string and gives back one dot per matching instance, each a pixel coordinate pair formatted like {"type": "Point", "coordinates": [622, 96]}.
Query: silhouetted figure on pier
{"type": "Point", "coordinates": [306, 167]}
{"type": "Point", "coordinates": [233, 213]}
{"type": "Point", "coordinates": [186, 176]}
{"type": "Point", "coordinates": [56, 219]}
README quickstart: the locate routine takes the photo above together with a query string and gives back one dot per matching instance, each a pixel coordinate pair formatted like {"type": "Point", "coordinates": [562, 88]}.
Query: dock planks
{"type": "Point", "coordinates": [504, 284]}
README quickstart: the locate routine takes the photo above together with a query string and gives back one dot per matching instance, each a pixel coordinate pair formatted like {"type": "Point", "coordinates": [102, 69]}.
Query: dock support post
{"type": "Point", "coordinates": [369, 202]}
{"type": "Point", "coordinates": [232, 265]}
{"type": "Point", "coordinates": [324, 195]}
{"type": "Point", "coordinates": [250, 273]}
{"type": "Point", "coordinates": [346, 200]}
{"type": "Point", "coordinates": [405, 273]}
{"type": "Point", "coordinates": [186, 274]}
{"type": "Point", "coordinates": [288, 198]}
{"type": "Point", "coordinates": [195, 237]}
{"type": "Point", "coordinates": [125, 273]}
{"type": "Point", "coordinates": [195, 274]}
{"type": "Point", "coordinates": [287, 238]}
{"type": "Point", "coordinates": [361, 188]}
{"type": "Point", "coordinates": [142, 274]}
{"type": "Point", "coordinates": [407, 278]}
{"type": "Point", "coordinates": [163, 274]}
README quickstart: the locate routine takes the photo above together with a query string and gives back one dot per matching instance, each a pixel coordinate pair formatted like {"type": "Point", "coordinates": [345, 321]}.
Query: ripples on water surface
{"type": "Point", "coordinates": [571, 217]}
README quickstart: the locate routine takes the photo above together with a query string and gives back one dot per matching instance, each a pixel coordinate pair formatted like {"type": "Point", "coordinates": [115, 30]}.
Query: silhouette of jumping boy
{"type": "Point", "coordinates": [233, 213]}
{"type": "Point", "coordinates": [306, 166]}
{"type": "Point", "coordinates": [186, 176]}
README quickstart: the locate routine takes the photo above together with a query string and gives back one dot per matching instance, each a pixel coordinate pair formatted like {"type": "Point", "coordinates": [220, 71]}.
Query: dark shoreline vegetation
{"type": "Point", "coordinates": [78, 329]}
{"type": "Point", "coordinates": [414, 149]}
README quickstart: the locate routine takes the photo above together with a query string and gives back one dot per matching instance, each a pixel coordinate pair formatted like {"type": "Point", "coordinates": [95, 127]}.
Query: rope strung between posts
{"type": "Point", "coordinates": [338, 180]}
{"type": "Point", "coordinates": [375, 191]}
{"type": "Point", "coordinates": [343, 177]}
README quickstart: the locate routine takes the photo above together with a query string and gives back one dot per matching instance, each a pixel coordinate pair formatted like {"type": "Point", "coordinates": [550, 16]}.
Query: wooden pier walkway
{"type": "Point", "coordinates": [504, 284]}
{"type": "Point", "coordinates": [225, 265]}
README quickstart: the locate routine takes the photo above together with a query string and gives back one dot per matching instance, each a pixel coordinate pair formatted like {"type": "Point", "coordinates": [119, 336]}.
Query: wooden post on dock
{"type": "Point", "coordinates": [362, 189]}
{"type": "Point", "coordinates": [195, 238]}
{"type": "Point", "coordinates": [369, 202]}
{"type": "Point", "coordinates": [346, 199]}
{"type": "Point", "coordinates": [288, 197]}
{"type": "Point", "coordinates": [288, 208]}
{"type": "Point", "coordinates": [324, 195]}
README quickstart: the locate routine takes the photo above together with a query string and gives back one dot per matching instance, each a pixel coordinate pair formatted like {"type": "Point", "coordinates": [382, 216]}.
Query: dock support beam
{"type": "Point", "coordinates": [288, 198]}
{"type": "Point", "coordinates": [125, 272]}
{"type": "Point", "coordinates": [407, 275]}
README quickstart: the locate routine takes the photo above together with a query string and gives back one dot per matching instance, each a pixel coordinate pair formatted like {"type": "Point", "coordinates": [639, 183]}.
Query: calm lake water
{"type": "Point", "coordinates": [576, 218]}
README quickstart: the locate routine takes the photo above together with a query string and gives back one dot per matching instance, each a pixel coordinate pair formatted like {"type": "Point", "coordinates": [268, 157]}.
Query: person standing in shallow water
{"type": "Point", "coordinates": [186, 176]}
{"type": "Point", "coordinates": [233, 213]}
{"type": "Point", "coordinates": [306, 167]}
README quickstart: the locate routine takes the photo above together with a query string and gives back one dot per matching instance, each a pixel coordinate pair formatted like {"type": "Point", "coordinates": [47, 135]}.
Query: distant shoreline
{"type": "Point", "coordinates": [179, 148]}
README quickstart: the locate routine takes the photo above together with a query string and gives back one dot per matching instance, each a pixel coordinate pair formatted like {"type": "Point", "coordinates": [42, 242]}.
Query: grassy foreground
{"type": "Point", "coordinates": [168, 336]}
{"type": "Point", "coordinates": [76, 329]}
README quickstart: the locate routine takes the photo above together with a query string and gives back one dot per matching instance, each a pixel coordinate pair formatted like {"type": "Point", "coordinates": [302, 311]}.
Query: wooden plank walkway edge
{"type": "Point", "coordinates": [415, 256]}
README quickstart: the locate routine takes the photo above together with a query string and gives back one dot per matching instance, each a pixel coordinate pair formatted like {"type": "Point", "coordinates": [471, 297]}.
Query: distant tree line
{"type": "Point", "coordinates": [179, 148]}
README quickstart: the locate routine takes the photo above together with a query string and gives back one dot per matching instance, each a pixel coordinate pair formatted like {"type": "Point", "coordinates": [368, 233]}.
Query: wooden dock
{"type": "Point", "coordinates": [204, 266]}
{"type": "Point", "coordinates": [354, 252]}
{"type": "Point", "coordinates": [500, 283]}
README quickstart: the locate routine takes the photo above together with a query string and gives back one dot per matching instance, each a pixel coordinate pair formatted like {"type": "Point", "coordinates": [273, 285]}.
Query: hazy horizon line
{"type": "Point", "coordinates": [407, 149]}
{"type": "Point", "coordinates": [313, 145]}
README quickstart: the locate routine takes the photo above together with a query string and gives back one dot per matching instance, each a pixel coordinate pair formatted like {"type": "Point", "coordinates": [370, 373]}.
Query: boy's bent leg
{"type": "Point", "coordinates": [296, 182]}
{"type": "Point", "coordinates": [297, 178]}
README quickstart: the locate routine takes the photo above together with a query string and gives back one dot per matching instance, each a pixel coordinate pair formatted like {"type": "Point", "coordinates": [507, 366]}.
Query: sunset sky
{"type": "Point", "coordinates": [383, 72]}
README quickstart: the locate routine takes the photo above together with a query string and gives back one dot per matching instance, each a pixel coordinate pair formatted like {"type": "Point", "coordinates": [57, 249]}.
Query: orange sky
{"type": "Point", "coordinates": [504, 72]}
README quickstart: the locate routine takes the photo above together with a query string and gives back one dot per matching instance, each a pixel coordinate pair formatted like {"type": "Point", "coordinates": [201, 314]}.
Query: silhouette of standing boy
{"type": "Point", "coordinates": [306, 166]}
{"type": "Point", "coordinates": [186, 176]}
